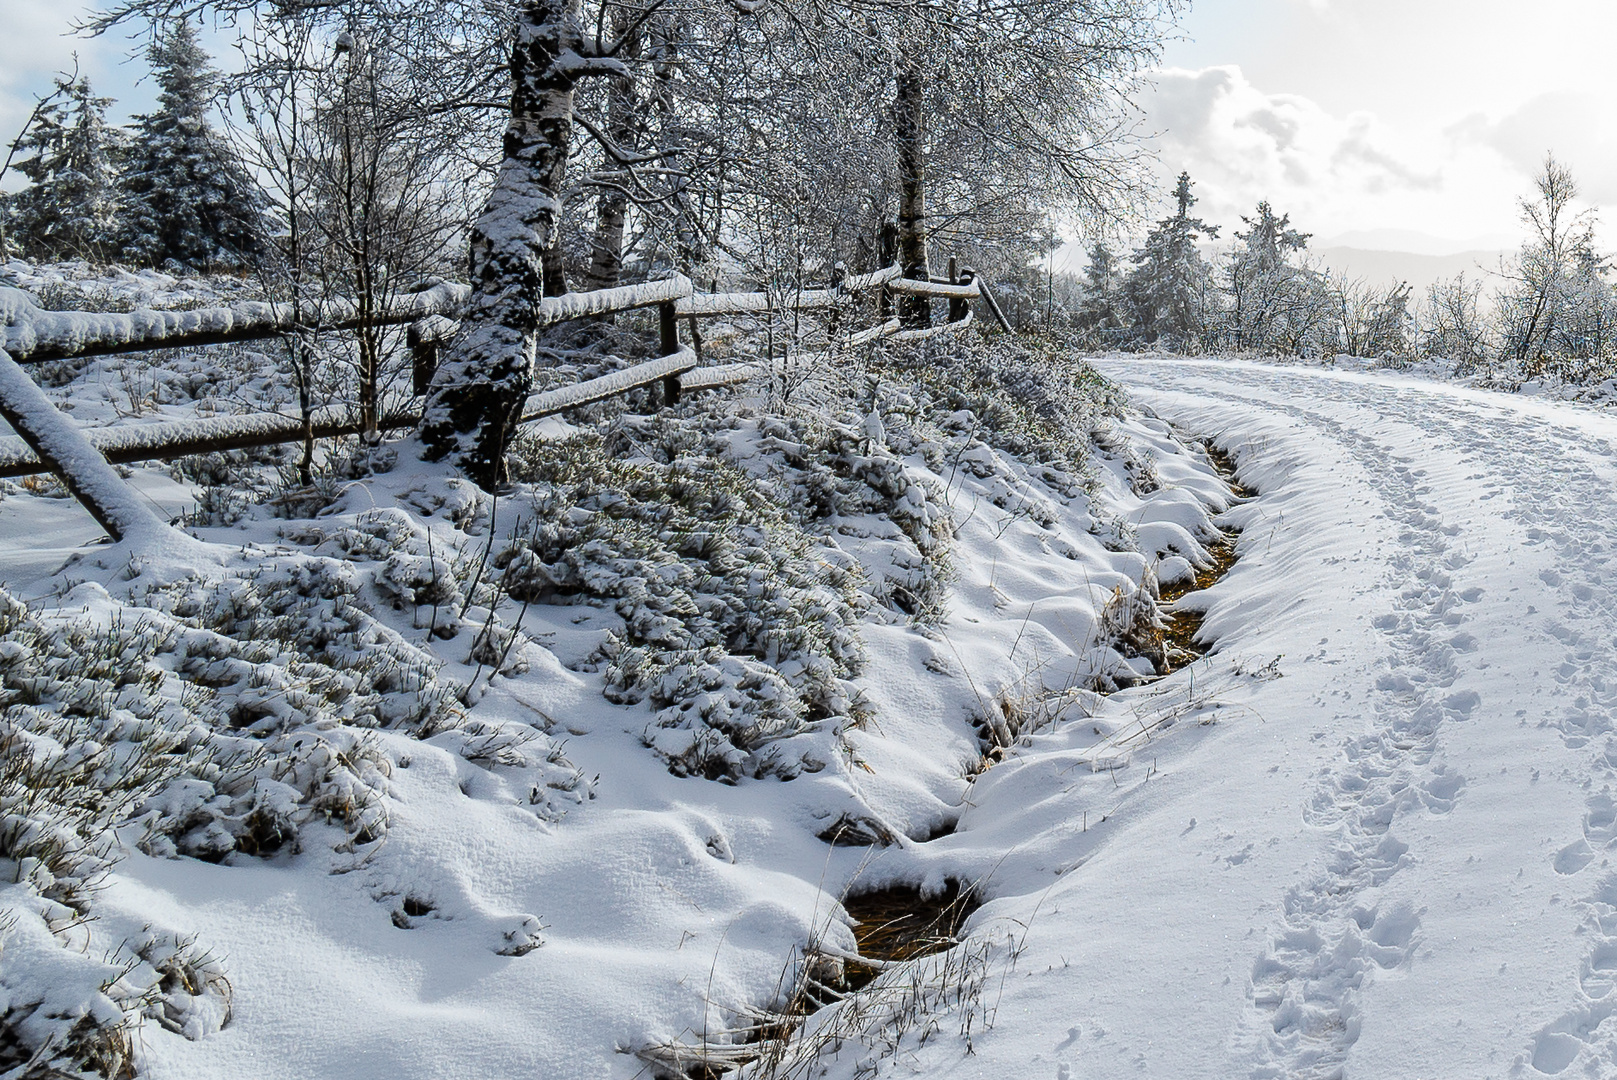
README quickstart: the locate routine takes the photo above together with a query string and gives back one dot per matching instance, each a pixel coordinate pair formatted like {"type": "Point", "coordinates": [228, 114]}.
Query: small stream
{"type": "Point", "coordinates": [1180, 647]}
{"type": "Point", "coordinates": [900, 922]}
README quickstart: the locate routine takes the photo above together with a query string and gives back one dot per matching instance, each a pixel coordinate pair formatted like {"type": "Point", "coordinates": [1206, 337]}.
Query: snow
{"type": "Point", "coordinates": [934, 331]}
{"type": "Point", "coordinates": [556, 309]}
{"type": "Point", "coordinates": [658, 895]}
{"type": "Point", "coordinates": [754, 302]}
{"type": "Point", "coordinates": [33, 334]}
{"type": "Point", "coordinates": [907, 287]}
{"type": "Point", "coordinates": [1389, 861]}
{"type": "Point", "coordinates": [717, 375]}
{"type": "Point", "coordinates": [131, 442]}
{"type": "Point", "coordinates": [57, 439]}
{"type": "Point", "coordinates": [1369, 835]}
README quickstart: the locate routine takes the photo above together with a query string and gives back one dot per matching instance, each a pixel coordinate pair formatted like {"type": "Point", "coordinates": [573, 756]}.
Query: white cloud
{"type": "Point", "coordinates": [1333, 173]}
{"type": "Point", "coordinates": [1573, 124]}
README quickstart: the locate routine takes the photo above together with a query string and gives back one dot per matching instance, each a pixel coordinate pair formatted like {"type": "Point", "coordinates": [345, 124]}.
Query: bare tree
{"type": "Point", "coordinates": [1533, 303]}
{"type": "Point", "coordinates": [275, 109]}
{"type": "Point", "coordinates": [1452, 327]}
{"type": "Point", "coordinates": [1372, 321]}
{"type": "Point", "coordinates": [380, 199]}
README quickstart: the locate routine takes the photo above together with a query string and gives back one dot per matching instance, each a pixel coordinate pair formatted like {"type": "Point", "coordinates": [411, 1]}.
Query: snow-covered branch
{"type": "Point", "coordinates": [59, 443]}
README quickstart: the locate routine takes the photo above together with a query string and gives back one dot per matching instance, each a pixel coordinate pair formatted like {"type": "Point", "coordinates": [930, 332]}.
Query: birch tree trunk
{"type": "Point", "coordinates": [606, 249]}
{"type": "Point", "coordinates": [612, 204]}
{"type": "Point", "coordinates": [553, 261]}
{"type": "Point", "coordinates": [477, 393]}
{"type": "Point", "coordinates": [909, 131]}
{"type": "Point", "coordinates": [689, 248]}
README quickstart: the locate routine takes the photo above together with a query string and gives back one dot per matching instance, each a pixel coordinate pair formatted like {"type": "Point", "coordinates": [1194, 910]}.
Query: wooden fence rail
{"type": "Point", "coordinates": [31, 335]}
{"type": "Point", "coordinates": [83, 460]}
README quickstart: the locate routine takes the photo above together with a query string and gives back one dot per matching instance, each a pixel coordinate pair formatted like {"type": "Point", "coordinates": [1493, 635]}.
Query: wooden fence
{"type": "Point", "coordinates": [82, 457]}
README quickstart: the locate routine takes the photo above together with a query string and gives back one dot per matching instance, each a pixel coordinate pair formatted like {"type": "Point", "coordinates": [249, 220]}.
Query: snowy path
{"type": "Point", "coordinates": [1393, 860]}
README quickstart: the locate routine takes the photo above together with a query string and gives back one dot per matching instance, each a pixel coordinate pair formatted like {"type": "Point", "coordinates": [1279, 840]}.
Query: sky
{"type": "Point", "coordinates": [1404, 124]}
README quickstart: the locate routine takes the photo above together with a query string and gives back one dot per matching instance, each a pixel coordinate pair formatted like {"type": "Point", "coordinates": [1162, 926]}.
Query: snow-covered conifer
{"type": "Point", "coordinates": [1102, 312]}
{"type": "Point", "coordinates": [1268, 239]}
{"type": "Point", "coordinates": [1168, 287]}
{"type": "Point", "coordinates": [70, 209]}
{"type": "Point", "coordinates": [186, 196]}
{"type": "Point", "coordinates": [1276, 302]}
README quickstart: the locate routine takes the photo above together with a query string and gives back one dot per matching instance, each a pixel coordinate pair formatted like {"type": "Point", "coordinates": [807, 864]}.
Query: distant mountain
{"type": "Point", "coordinates": [1388, 267]}
{"type": "Point", "coordinates": [1417, 243]}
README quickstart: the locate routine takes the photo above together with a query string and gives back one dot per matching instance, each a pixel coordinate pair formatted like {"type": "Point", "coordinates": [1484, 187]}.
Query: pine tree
{"type": "Point", "coordinates": [1102, 313]}
{"type": "Point", "coordinates": [1275, 305]}
{"type": "Point", "coordinates": [1169, 282]}
{"type": "Point", "coordinates": [70, 209]}
{"type": "Point", "coordinates": [186, 196]}
{"type": "Point", "coordinates": [1269, 239]}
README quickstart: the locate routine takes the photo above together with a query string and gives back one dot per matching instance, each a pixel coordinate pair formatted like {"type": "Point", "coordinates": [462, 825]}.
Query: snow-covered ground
{"type": "Point", "coordinates": [1367, 836]}
{"type": "Point", "coordinates": [397, 884]}
{"type": "Point", "coordinates": [1393, 859]}
{"type": "Point", "coordinates": [1588, 391]}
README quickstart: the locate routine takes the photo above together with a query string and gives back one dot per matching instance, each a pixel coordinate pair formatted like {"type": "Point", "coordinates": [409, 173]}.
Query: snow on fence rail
{"type": "Point", "coordinates": [32, 335]}
{"type": "Point", "coordinates": [50, 442]}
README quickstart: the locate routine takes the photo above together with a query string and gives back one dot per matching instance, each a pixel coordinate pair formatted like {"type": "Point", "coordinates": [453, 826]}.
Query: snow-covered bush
{"type": "Point", "coordinates": [193, 995]}
{"type": "Point", "coordinates": [1031, 397]}
{"type": "Point", "coordinates": [219, 718]}
{"type": "Point", "coordinates": [736, 625]}
{"type": "Point", "coordinates": [88, 738]}
{"type": "Point", "coordinates": [832, 473]}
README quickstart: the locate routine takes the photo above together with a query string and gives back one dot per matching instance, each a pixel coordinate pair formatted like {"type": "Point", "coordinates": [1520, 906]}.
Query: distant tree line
{"type": "Point", "coordinates": [168, 191]}
{"type": "Point", "coordinates": [1553, 311]}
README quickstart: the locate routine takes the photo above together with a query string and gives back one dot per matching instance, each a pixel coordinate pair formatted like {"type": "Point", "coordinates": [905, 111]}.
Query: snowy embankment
{"type": "Point", "coordinates": [1370, 835]}
{"type": "Point", "coordinates": [422, 784]}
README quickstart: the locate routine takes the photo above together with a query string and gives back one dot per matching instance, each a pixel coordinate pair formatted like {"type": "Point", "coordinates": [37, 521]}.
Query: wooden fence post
{"type": "Point", "coordinates": [423, 357]}
{"type": "Point", "coordinates": [957, 308]}
{"type": "Point", "coordinates": [993, 305]}
{"type": "Point", "coordinates": [668, 345]}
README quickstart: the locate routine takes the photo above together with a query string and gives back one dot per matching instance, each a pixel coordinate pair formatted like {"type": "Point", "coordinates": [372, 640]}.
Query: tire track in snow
{"type": "Point", "coordinates": [1303, 1013]}
{"type": "Point", "coordinates": [1563, 495]}
{"type": "Point", "coordinates": [1565, 499]}
{"type": "Point", "coordinates": [1563, 484]}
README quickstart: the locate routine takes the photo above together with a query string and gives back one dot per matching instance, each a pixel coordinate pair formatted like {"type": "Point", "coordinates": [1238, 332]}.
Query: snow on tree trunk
{"type": "Point", "coordinates": [477, 392]}
{"type": "Point", "coordinates": [909, 130]}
